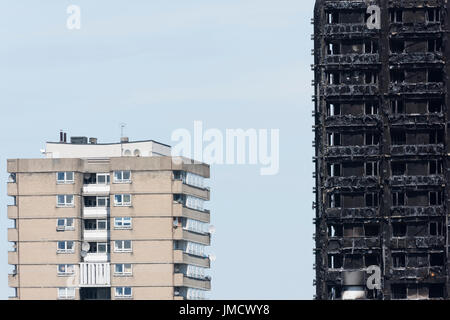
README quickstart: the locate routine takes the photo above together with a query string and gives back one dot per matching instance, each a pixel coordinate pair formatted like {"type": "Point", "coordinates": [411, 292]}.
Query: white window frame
{"type": "Point", "coordinates": [124, 273]}
{"type": "Point", "coordinates": [122, 203]}
{"type": "Point", "coordinates": [65, 250]}
{"type": "Point", "coordinates": [107, 178]}
{"type": "Point", "coordinates": [68, 293]}
{"type": "Point", "coordinates": [122, 220]}
{"type": "Point", "coordinates": [65, 181]}
{"type": "Point", "coordinates": [65, 204]}
{"type": "Point", "coordinates": [122, 294]}
{"type": "Point", "coordinates": [121, 179]}
{"type": "Point", "coordinates": [122, 249]}
{"type": "Point", "coordinates": [70, 267]}
{"type": "Point", "coordinates": [65, 227]}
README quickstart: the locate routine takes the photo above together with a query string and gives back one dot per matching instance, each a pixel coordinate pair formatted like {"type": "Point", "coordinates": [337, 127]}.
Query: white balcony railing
{"type": "Point", "coordinates": [95, 274]}
{"type": "Point", "coordinates": [96, 189]}
{"type": "Point", "coordinates": [95, 235]}
{"type": "Point", "coordinates": [95, 212]}
{"type": "Point", "coordinates": [96, 257]}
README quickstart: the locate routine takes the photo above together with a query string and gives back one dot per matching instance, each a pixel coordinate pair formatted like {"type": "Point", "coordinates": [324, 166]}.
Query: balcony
{"type": "Point", "coordinates": [95, 212]}
{"type": "Point", "coordinates": [13, 280]}
{"type": "Point", "coordinates": [360, 60]}
{"type": "Point", "coordinates": [352, 213]}
{"type": "Point", "coordinates": [96, 189]}
{"type": "Point", "coordinates": [415, 30]}
{"type": "Point", "coordinates": [352, 151]}
{"type": "Point", "coordinates": [416, 58]}
{"type": "Point", "coordinates": [351, 121]}
{"type": "Point", "coordinates": [353, 243]}
{"type": "Point", "coordinates": [181, 188]}
{"type": "Point", "coordinates": [181, 211]}
{"type": "Point", "coordinates": [13, 257]}
{"type": "Point", "coordinates": [417, 120]}
{"type": "Point", "coordinates": [182, 234]}
{"type": "Point", "coordinates": [417, 150]}
{"type": "Point", "coordinates": [423, 88]}
{"type": "Point", "coordinates": [350, 90]}
{"type": "Point", "coordinates": [13, 212]}
{"type": "Point", "coordinates": [348, 31]}
{"type": "Point", "coordinates": [418, 273]}
{"type": "Point", "coordinates": [417, 242]}
{"type": "Point", "coordinates": [95, 275]}
{"type": "Point", "coordinates": [12, 189]}
{"type": "Point", "coordinates": [13, 234]}
{"type": "Point", "coordinates": [417, 181]}
{"type": "Point", "coordinates": [183, 281]}
{"type": "Point", "coordinates": [181, 257]}
{"type": "Point", "coordinates": [95, 235]}
{"type": "Point", "coordinates": [352, 183]}
{"type": "Point", "coordinates": [410, 211]}
{"type": "Point", "coordinates": [96, 257]}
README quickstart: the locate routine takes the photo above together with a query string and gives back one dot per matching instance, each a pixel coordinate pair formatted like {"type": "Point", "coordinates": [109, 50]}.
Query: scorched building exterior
{"type": "Point", "coordinates": [381, 140]}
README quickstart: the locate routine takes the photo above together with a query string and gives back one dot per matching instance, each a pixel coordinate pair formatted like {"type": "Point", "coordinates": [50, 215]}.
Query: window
{"type": "Point", "coordinates": [398, 291]}
{"type": "Point", "coordinates": [435, 45]}
{"type": "Point", "coordinates": [435, 76]}
{"type": "Point", "coordinates": [335, 231]}
{"type": "Point", "coordinates": [334, 139]}
{"type": "Point", "coordinates": [371, 77]}
{"type": "Point", "coordinates": [435, 166]}
{"type": "Point", "coordinates": [435, 198]}
{"type": "Point", "coordinates": [103, 178]}
{"type": "Point", "coordinates": [95, 224]}
{"type": "Point", "coordinates": [122, 176]}
{"type": "Point", "coordinates": [123, 292]}
{"type": "Point", "coordinates": [371, 199]}
{"type": "Point", "coordinates": [397, 46]}
{"type": "Point", "coordinates": [122, 223]}
{"type": "Point", "coordinates": [122, 200]}
{"type": "Point", "coordinates": [437, 259]}
{"type": "Point", "coordinates": [98, 247]}
{"type": "Point", "coordinates": [434, 106]}
{"type": "Point", "coordinates": [195, 203]}
{"type": "Point", "coordinates": [196, 226]}
{"type": "Point", "coordinates": [397, 76]}
{"type": "Point", "coordinates": [122, 246]}
{"type": "Point", "coordinates": [371, 139]}
{"type": "Point", "coordinates": [398, 260]}
{"type": "Point", "coordinates": [334, 78]}
{"type": "Point", "coordinates": [371, 169]}
{"type": "Point", "coordinates": [396, 15]}
{"type": "Point", "coordinates": [398, 137]}
{"type": "Point", "coordinates": [436, 137]}
{"type": "Point", "coordinates": [333, 49]}
{"type": "Point", "coordinates": [398, 168]}
{"type": "Point", "coordinates": [398, 199]}
{"type": "Point", "coordinates": [371, 108]}
{"type": "Point", "coordinates": [123, 269]}
{"type": "Point", "coordinates": [66, 293]}
{"type": "Point", "coordinates": [397, 107]}
{"type": "Point", "coordinates": [371, 47]}
{"type": "Point", "coordinates": [193, 179]}
{"type": "Point", "coordinates": [433, 15]}
{"type": "Point", "coordinates": [65, 177]}
{"type": "Point", "coordinates": [334, 169]}
{"type": "Point", "coordinates": [332, 17]}
{"type": "Point", "coordinates": [399, 229]}
{"type": "Point", "coordinates": [333, 109]}
{"type": "Point", "coordinates": [65, 247]}
{"type": "Point", "coordinates": [65, 200]}
{"type": "Point", "coordinates": [371, 230]}
{"type": "Point", "coordinates": [335, 261]}
{"type": "Point", "coordinates": [436, 228]}
{"type": "Point", "coordinates": [66, 269]}
{"type": "Point", "coordinates": [65, 224]}
{"type": "Point", "coordinates": [334, 200]}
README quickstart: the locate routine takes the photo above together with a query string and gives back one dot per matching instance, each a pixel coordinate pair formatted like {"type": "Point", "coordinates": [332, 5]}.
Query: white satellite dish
{"type": "Point", "coordinates": [212, 257]}
{"type": "Point", "coordinates": [212, 229]}
{"type": "Point", "coordinates": [85, 246]}
{"type": "Point", "coordinates": [83, 254]}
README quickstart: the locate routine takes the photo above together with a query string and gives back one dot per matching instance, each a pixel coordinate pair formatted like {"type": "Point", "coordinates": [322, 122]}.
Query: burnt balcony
{"type": "Point", "coordinates": [352, 213]}
{"type": "Point", "coordinates": [415, 30]}
{"type": "Point", "coordinates": [354, 243]}
{"type": "Point", "coordinates": [352, 151]}
{"type": "Point", "coordinates": [363, 59]}
{"type": "Point", "coordinates": [417, 58]}
{"type": "Point", "coordinates": [353, 121]}
{"type": "Point", "coordinates": [348, 31]}
{"type": "Point", "coordinates": [416, 88]}
{"type": "Point", "coordinates": [345, 5]}
{"type": "Point", "coordinates": [417, 150]}
{"type": "Point", "coordinates": [417, 211]}
{"type": "Point", "coordinates": [417, 242]}
{"type": "Point", "coordinates": [417, 120]}
{"type": "Point", "coordinates": [417, 181]}
{"type": "Point", "coordinates": [353, 183]}
{"type": "Point", "coordinates": [421, 273]}
{"type": "Point", "coordinates": [350, 90]}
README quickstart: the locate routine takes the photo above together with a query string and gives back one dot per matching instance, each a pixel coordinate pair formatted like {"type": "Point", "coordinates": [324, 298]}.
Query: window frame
{"type": "Point", "coordinates": [123, 295]}
{"type": "Point", "coordinates": [66, 296]}
{"type": "Point", "coordinates": [65, 181]}
{"type": "Point", "coordinates": [65, 250]}
{"type": "Point", "coordinates": [122, 249]}
{"type": "Point", "coordinates": [65, 227]}
{"type": "Point", "coordinates": [65, 204]}
{"type": "Point", "coordinates": [121, 180]}
{"type": "Point", "coordinates": [123, 227]}
{"type": "Point", "coordinates": [66, 266]}
{"type": "Point", "coordinates": [124, 273]}
{"type": "Point", "coordinates": [122, 203]}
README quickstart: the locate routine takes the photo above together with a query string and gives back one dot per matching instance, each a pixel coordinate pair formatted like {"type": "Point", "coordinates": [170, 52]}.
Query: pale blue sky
{"type": "Point", "coordinates": [158, 66]}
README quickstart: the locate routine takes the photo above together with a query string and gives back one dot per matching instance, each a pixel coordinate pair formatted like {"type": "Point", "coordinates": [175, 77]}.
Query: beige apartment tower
{"type": "Point", "coordinates": [108, 221]}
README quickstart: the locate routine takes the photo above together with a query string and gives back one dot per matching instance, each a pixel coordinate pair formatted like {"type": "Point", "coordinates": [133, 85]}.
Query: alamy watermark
{"type": "Point", "coordinates": [74, 20]}
{"type": "Point", "coordinates": [234, 147]}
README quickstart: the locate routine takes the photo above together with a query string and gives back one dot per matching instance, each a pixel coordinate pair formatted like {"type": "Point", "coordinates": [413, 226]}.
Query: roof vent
{"type": "Point", "coordinates": [124, 139]}
{"type": "Point", "coordinates": [78, 140]}
{"type": "Point", "coordinates": [93, 140]}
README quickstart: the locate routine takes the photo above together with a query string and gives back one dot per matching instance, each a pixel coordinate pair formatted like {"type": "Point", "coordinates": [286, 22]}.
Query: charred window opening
{"type": "Point", "coordinates": [353, 261]}
{"type": "Point", "coordinates": [434, 75]}
{"type": "Point", "coordinates": [397, 107]}
{"type": "Point", "coordinates": [333, 48]}
{"type": "Point", "coordinates": [396, 16]}
{"type": "Point", "coordinates": [334, 78]}
{"type": "Point", "coordinates": [371, 108]}
{"type": "Point", "coordinates": [397, 76]}
{"type": "Point", "coordinates": [371, 199]}
{"type": "Point", "coordinates": [435, 106]}
{"type": "Point", "coordinates": [398, 137]}
{"type": "Point", "coordinates": [437, 259]}
{"type": "Point", "coordinates": [436, 228]}
{"type": "Point", "coordinates": [398, 168]}
{"type": "Point", "coordinates": [332, 17]}
{"type": "Point", "coordinates": [371, 47]}
{"type": "Point", "coordinates": [398, 291]}
{"type": "Point", "coordinates": [372, 139]}
{"type": "Point", "coordinates": [433, 15]}
{"type": "Point", "coordinates": [397, 46]}
{"type": "Point", "coordinates": [398, 260]}
{"type": "Point", "coordinates": [334, 139]}
{"type": "Point", "coordinates": [372, 259]}
{"type": "Point", "coordinates": [371, 77]}
{"type": "Point", "coordinates": [334, 292]}
{"type": "Point", "coordinates": [371, 169]}
{"type": "Point", "coordinates": [334, 169]}
{"type": "Point", "coordinates": [353, 231]}
{"type": "Point", "coordinates": [335, 231]}
{"type": "Point", "coordinates": [436, 137]}
{"type": "Point", "coordinates": [333, 109]}
{"type": "Point", "coordinates": [334, 200]}
{"type": "Point", "coordinates": [435, 198]}
{"type": "Point", "coordinates": [398, 199]}
{"type": "Point", "coordinates": [436, 291]}
{"type": "Point", "coordinates": [435, 167]}
{"type": "Point", "coordinates": [435, 45]}
{"type": "Point", "coordinates": [335, 261]}
{"type": "Point", "coordinates": [372, 230]}
{"type": "Point", "coordinates": [399, 230]}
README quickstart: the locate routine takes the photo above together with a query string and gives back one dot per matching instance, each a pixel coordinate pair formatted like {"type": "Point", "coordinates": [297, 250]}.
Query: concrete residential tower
{"type": "Point", "coordinates": [382, 144]}
{"type": "Point", "coordinates": [108, 221]}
